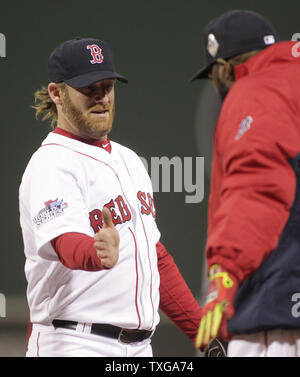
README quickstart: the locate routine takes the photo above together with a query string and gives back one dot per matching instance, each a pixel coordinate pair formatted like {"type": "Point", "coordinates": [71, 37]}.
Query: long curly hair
{"type": "Point", "coordinates": [222, 72]}
{"type": "Point", "coordinates": [44, 106]}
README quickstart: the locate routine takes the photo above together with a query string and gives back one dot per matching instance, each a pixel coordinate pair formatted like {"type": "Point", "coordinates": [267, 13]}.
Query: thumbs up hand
{"type": "Point", "coordinates": [107, 241]}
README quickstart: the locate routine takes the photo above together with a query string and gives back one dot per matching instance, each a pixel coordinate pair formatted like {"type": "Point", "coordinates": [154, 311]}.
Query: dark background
{"type": "Point", "coordinates": [157, 45]}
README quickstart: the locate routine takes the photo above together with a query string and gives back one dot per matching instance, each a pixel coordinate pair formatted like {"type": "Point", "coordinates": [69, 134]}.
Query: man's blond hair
{"type": "Point", "coordinates": [44, 106]}
{"type": "Point", "coordinates": [223, 70]}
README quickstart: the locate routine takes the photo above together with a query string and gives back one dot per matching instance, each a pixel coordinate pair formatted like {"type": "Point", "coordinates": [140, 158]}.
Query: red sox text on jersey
{"type": "Point", "coordinates": [120, 211]}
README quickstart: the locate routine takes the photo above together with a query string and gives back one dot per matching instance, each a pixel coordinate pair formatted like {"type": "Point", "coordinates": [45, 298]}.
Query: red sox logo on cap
{"type": "Point", "coordinates": [96, 53]}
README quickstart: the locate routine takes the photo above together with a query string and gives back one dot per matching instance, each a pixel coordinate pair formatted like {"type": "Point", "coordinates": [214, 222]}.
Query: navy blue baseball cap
{"type": "Point", "coordinates": [233, 33]}
{"type": "Point", "coordinates": [82, 61]}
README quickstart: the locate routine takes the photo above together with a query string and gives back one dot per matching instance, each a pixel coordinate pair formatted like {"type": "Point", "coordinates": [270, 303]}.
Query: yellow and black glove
{"type": "Point", "coordinates": [218, 307]}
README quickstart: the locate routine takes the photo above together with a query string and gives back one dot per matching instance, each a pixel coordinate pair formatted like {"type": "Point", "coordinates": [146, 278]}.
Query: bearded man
{"type": "Point", "coordinates": [97, 273]}
{"type": "Point", "coordinates": [253, 241]}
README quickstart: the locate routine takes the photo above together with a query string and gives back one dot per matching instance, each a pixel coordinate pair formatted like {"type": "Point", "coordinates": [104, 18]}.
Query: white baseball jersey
{"type": "Point", "coordinates": [64, 188]}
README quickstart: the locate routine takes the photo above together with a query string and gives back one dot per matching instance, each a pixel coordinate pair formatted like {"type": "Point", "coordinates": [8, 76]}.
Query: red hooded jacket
{"type": "Point", "coordinates": [253, 186]}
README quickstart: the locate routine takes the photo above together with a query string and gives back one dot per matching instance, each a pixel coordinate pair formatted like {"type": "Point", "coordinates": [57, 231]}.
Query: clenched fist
{"type": "Point", "coordinates": [107, 241]}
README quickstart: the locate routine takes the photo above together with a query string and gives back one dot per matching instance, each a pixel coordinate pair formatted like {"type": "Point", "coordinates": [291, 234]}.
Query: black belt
{"type": "Point", "coordinates": [110, 331]}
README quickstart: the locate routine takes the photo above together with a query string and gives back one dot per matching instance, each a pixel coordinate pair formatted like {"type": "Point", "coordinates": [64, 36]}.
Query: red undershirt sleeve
{"type": "Point", "coordinates": [77, 252]}
{"type": "Point", "coordinates": [176, 300]}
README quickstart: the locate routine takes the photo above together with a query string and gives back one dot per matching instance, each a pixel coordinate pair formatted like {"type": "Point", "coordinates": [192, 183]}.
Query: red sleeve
{"type": "Point", "coordinates": [176, 300]}
{"type": "Point", "coordinates": [76, 251]}
{"type": "Point", "coordinates": [255, 189]}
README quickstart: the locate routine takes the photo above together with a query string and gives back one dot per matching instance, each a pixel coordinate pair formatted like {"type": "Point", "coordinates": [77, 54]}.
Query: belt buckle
{"type": "Point", "coordinates": [121, 337]}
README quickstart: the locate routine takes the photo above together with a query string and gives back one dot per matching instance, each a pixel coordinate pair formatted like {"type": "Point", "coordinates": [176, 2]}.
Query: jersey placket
{"type": "Point", "coordinates": [140, 231]}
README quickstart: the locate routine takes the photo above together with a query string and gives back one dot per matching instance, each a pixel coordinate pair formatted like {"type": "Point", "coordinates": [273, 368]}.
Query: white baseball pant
{"type": "Point", "coordinates": [46, 341]}
{"type": "Point", "coordinates": [274, 343]}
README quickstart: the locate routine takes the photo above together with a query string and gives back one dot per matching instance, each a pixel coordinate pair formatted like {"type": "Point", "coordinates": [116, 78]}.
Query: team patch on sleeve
{"type": "Point", "coordinates": [52, 209]}
{"type": "Point", "coordinates": [244, 126]}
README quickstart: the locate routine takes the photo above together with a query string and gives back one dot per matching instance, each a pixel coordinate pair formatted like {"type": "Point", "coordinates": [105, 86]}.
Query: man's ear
{"type": "Point", "coordinates": [55, 93]}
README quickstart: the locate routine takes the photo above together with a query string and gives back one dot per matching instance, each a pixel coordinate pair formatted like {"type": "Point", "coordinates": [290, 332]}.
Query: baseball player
{"type": "Point", "coordinates": [97, 273]}
{"type": "Point", "coordinates": [254, 210]}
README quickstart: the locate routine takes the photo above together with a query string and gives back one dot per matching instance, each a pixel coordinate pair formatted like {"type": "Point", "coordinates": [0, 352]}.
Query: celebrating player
{"type": "Point", "coordinates": [254, 212]}
{"type": "Point", "coordinates": [96, 270]}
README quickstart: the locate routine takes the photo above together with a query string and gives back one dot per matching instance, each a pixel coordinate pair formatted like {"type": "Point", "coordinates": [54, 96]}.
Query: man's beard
{"type": "Point", "coordinates": [222, 90]}
{"type": "Point", "coordinates": [222, 75]}
{"type": "Point", "coordinates": [88, 124]}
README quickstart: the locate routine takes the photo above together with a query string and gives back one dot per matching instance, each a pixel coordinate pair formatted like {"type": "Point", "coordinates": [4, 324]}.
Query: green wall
{"type": "Point", "coordinates": [157, 45]}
